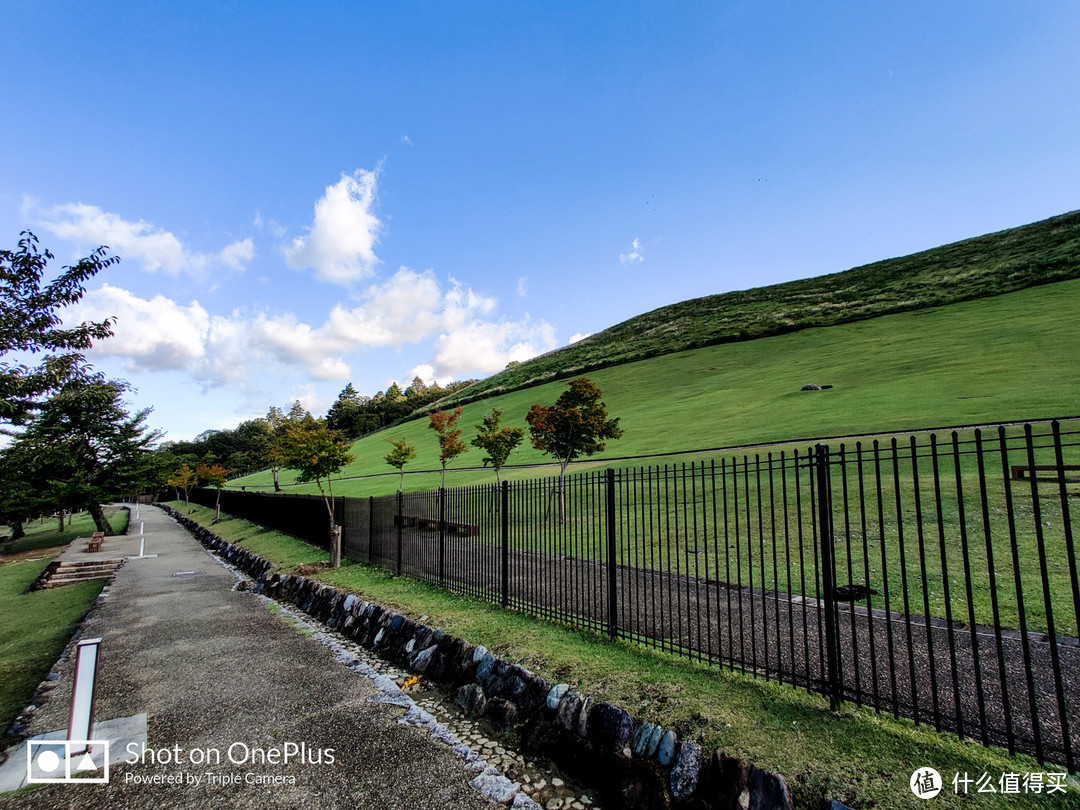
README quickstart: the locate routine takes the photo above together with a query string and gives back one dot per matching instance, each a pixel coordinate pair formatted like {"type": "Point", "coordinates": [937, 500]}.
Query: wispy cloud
{"type": "Point", "coordinates": [636, 254]}
{"type": "Point", "coordinates": [154, 248]}
{"type": "Point", "coordinates": [340, 242]}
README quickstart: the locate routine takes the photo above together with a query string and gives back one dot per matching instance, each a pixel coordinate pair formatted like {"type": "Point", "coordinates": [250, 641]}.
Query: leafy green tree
{"type": "Point", "coordinates": [30, 323]}
{"type": "Point", "coordinates": [576, 425]}
{"type": "Point", "coordinates": [401, 455]}
{"type": "Point", "coordinates": [317, 453]}
{"type": "Point", "coordinates": [497, 441]}
{"type": "Point", "coordinates": [450, 444]}
{"type": "Point", "coordinates": [21, 495]}
{"type": "Point", "coordinates": [88, 448]}
{"type": "Point", "coordinates": [346, 412]}
{"type": "Point", "coordinates": [280, 423]}
{"type": "Point", "coordinates": [216, 476]}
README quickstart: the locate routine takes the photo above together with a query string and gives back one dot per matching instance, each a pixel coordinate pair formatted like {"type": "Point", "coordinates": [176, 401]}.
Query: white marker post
{"type": "Point", "coordinates": [81, 721]}
{"type": "Point", "coordinates": [142, 540]}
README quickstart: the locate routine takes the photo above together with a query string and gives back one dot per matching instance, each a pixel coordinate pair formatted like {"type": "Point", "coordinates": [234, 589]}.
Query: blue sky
{"type": "Point", "coordinates": [305, 195]}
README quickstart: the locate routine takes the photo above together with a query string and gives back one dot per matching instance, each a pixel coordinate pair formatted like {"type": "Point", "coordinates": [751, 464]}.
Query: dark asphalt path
{"type": "Point", "coordinates": [213, 667]}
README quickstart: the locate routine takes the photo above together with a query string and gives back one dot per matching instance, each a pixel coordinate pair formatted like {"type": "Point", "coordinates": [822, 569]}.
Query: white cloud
{"type": "Point", "coordinates": [154, 334]}
{"type": "Point", "coordinates": [247, 350]}
{"type": "Point", "coordinates": [425, 371]}
{"type": "Point", "coordinates": [154, 248]}
{"type": "Point", "coordinates": [579, 336]}
{"type": "Point", "coordinates": [523, 286]}
{"type": "Point", "coordinates": [635, 255]}
{"type": "Point", "coordinates": [238, 253]}
{"type": "Point", "coordinates": [486, 346]}
{"type": "Point", "coordinates": [340, 243]}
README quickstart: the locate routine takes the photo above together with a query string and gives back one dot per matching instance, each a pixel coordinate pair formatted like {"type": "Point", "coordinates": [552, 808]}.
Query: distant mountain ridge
{"type": "Point", "coordinates": [1014, 259]}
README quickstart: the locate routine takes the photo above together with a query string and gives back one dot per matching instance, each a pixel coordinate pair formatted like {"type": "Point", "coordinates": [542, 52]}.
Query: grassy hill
{"type": "Point", "coordinates": [997, 263]}
{"type": "Point", "coordinates": [999, 358]}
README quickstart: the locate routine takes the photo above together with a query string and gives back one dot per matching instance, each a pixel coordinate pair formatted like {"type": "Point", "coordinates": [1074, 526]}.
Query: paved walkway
{"type": "Point", "coordinates": [215, 671]}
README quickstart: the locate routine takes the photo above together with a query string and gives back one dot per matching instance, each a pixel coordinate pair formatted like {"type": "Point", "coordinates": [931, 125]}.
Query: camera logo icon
{"type": "Point", "coordinates": [78, 761]}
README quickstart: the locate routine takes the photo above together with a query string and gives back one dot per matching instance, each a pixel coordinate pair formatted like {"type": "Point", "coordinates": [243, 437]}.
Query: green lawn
{"type": "Point", "coordinates": [1001, 358]}
{"type": "Point", "coordinates": [856, 756]}
{"type": "Point", "coordinates": [35, 627]}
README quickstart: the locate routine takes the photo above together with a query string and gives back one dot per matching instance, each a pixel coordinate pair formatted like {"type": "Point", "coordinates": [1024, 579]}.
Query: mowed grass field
{"type": "Point", "coordinates": [1001, 358]}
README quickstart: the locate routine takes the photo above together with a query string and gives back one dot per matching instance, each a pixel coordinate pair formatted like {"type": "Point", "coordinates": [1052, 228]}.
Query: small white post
{"type": "Point", "coordinates": [81, 720]}
{"type": "Point", "coordinates": [142, 546]}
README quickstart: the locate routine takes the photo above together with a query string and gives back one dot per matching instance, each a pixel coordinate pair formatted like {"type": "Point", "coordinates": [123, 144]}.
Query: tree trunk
{"type": "Point", "coordinates": [335, 546]}
{"type": "Point", "coordinates": [335, 529]}
{"type": "Point", "coordinates": [98, 514]}
{"type": "Point", "coordinates": [17, 530]}
{"type": "Point", "coordinates": [61, 520]}
{"type": "Point", "coordinates": [277, 486]}
{"type": "Point", "coordinates": [217, 507]}
{"type": "Point", "coordinates": [562, 496]}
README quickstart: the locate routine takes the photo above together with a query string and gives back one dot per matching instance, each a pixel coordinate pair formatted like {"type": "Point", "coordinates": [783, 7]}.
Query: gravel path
{"type": "Point", "coordinates": [943, 674]}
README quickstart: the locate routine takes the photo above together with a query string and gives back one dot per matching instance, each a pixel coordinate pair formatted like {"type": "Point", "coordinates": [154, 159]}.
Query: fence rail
{"type": "Point", "coordinates": [931, 577]}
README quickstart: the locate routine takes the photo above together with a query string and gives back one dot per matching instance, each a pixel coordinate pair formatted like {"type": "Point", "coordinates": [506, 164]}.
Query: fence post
{"type": "Point", "coordinates": [504, 496]}
{"type": "Point", "coordinates": [399, 519]}
{"type": "Point", "coordinates": [613, 603]}
{"type": "Point", "coordinates": [371, 528]}
{"type": "Point", "coordinates": [442, 534]}
{"type": "Point", "coordinates": [828, 573]}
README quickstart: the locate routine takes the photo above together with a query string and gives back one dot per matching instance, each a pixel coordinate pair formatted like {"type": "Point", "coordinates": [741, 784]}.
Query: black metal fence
{"type": "Point", "coordinates": [929, 576]}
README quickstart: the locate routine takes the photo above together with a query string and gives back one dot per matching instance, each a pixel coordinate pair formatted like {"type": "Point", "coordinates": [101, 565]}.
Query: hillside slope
{"type": "Point", "coordinates": [996, 263]}
{"type": "Point", "coordinates": [1002, 358]}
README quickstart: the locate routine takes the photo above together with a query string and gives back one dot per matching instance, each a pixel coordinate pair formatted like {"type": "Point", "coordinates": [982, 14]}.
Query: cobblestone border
{"type": "Point", "coordinates": [631, 764]}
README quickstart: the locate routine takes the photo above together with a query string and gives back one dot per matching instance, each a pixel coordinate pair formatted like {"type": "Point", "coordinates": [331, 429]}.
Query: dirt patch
{"type": "Point", "coordinates": [31, 554]}
{"type": "Point", "coordinates": [308, 569]}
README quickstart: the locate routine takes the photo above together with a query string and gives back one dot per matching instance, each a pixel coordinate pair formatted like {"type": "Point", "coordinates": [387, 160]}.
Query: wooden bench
{"type": "Point", "coordinates": [96, 539]}
{"type": "Point", "coordinates": [1018, 470]}
{"type": "Point", "coordinates": [408, 521]}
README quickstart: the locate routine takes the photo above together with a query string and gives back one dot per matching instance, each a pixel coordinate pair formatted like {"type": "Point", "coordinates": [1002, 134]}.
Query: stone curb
{"type": "Point", "coordinates": [631, 764]}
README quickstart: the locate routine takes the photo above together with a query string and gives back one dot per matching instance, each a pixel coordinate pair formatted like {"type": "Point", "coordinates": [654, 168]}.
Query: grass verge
{"type": "Point", "coordinates": [856, 756]}
{"type": "Point", "coordinates": [35, 627]}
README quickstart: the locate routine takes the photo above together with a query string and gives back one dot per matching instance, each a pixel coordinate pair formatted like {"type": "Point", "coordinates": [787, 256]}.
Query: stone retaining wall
{"type": "Point", "coordinates": [631, 764]}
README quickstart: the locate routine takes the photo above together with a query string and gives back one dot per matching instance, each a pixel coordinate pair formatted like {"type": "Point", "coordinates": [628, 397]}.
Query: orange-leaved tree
{"type": "Point", "coordinates": [213, 475]}
{"type": "Point", "coordinates": [450, 444]}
